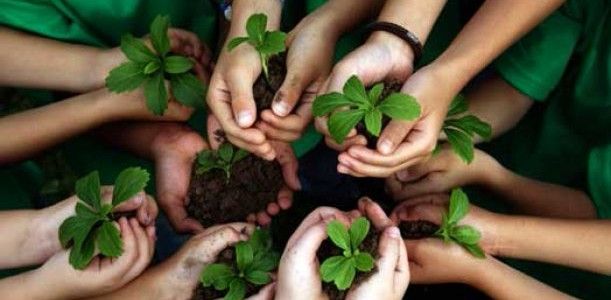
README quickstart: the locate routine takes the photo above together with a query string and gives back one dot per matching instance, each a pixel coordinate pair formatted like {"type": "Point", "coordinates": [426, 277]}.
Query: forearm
{"type": "Point", "coordinates": [416, 16]}
{"type": "Point", "coordinates": [343, 15]}
{"type": "Point", "coordinates": [14, 232]}
{"type": "Point", "coordinates": [554, 241]}
{"type": "Point", "coordinates": [482, 39]}
{"type": "Point", "coordinates": [24, 287]}
{"type": "Point", "coordinates": [500, 281]}
{"type": "Point", "coordinates": [35, 62]}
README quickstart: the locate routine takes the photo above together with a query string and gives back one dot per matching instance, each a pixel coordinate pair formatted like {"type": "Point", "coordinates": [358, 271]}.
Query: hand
{"type": "Point", "coordinates": [431, 207]}
{"type": "Point", "coordinates": [441, 173]}
{"type": "Point", "coordinates": [103, 275]}
{"type": "Point", "coordinates": [291, 110]}
{"type": "Point", "coordinates": [401, 143]}
{"type": "Point", "coordinates": [382, 57]}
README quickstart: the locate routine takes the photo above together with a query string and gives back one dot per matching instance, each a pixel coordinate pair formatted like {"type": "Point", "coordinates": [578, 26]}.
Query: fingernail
{"type": "Point", "coordinates": [393, 232]}
{"type": "Point", "coordinates": [244, 118]}
{"type": "Point", "coordinates": [139, 199]}
{"type": "Point", "coordinates": [342, 169]}
{"type": "Point", "coordinates": [385, 147]}
{"type": "Point", "coordinates": [147, 219]}
{"type": "Point", "coordinates": [280, 108]}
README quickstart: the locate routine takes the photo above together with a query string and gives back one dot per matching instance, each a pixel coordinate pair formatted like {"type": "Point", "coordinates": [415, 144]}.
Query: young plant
{"type": "Point", "coordinates": [152, 69]}
{"type": "Point", "coordinates": [267, 43]}
{"type": "Point", "coordinates": [254, 259]}
{"type": "Point", "coordinates": [464, 235]}
{"type": "Point", "coordinates": [222, 159]}
{"type": "Point", "coordinates": [341, 269]}
{"type": "Point", "coordinates": [461, 130]}
{"type": "Point", "coordinates": [92, 226]}
{"type": "Point", "coordinates": [356, 104]}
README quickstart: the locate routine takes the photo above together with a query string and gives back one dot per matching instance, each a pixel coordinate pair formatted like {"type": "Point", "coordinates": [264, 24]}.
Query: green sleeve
{"type": "Point", "coordinates": [535, 64]}
{"type": "Point", "coordinates": [599, 180]}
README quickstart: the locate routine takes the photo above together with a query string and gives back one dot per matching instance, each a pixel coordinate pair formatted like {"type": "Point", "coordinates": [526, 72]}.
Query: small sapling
{"type": "Point", "coordinates": [151, 69]}
{"type": "Point", "coordinates": [222, 159]}
{"type": "Point", "coordinates": [92, 227]}
{"type": "Point", "coordinates": [267, 43]}
{"type": "Point", "coordinates": [342, 269]}
{"type": "Point", "coordinates": [254, 259]}
{"type": "Point", "coordinates": [355, 104]}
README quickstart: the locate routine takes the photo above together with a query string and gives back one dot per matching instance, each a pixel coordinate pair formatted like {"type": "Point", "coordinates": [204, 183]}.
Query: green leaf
{"type": "Point", "coordinates": [347, 271]}
{"type": "Point", "coordinates": [274, 43]}
{"type": "Point", "coordinates": [83, 211]}
{"type": "Point", "coordinates": [176, 64]}
{"type": "Point", "coordinates": [373, 122]}
{"type": "Point", "coordinates": [329, 269]}
{"type": "Point", "coordinates": [475, 250]}
{"type": "Point", "coordinates": [471, 124]}
{"type": "Point", "coordinates": [340, 123]}
{"type": "Point", "coordinates": [256, 27]}
{"type": "Point", "coordinates": [324, 104]}
{"type": "Point", "coordinates": [260, 240]}
{"type": "Point", "coordinates": [258, 277]}
{"type": "Point", "coordinates": [375, 92]}
{"type": "Point", "coordinates": [109, 241]}
{"type": "Point", "coordinates": [159, 34]}
{"type": "Point", "coordinates": [461, 144]}
{"type": "Point", "coordinates": [136, 50]}
{"type": "Point", "coordinates": [73, 227]}
{"type": "Point", "coordinates": [458, 106]}
{"type": "Point", "coordinates": [266, 263]}
{"type": "Point", "coordinates": [244, 255]}
{"type": "Point", "coordinates": [156, 94]}
{"type": "Point", "coordinates": [126, 77]}
{"type": "Point", "coordinates": [188, 90]}
{"type": "Point", "coordinates": [400, 106]}
{"type": "Point", "coordinates": [239, 155]}
{"type": "Point", "coordinates": [465, 234]}
{"type": "Point", "coordinates": [219, 275]}
{"type": "Point", "coordinates": [236, 42]}
{"type": "Point", "coordinates": [237, 290]}
{"type": "Point", "coordinates": [339, 235]}
{"type": "Point", "coordinates": [88, 190]}
{"type": "Point", "coordinates": [358, 231]}
{"type": "Point", "coordinates": [129, 183]}
{"type": "Point", "coordinates": [459, 206]}
{"type": "Point", "coordinates": [82, 251]}
{"type": "Point", "coordinates": [364, 262]}
{"type": "Point", "coordinates": [355, 91]}
{"type": "Point", "coordinates": [225, 152]}
{"type": "Point", "coordinates": [151, 67]}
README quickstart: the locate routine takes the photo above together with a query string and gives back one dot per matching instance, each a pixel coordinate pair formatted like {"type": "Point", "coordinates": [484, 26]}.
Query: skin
{"type": "Point", "coordinates": [298, 275]}
{"type": "Point", "coordinates": [177, 277]}
{"type": "Point", "coordinates": [403, 144]}
{"type": "Point", "coordinates": [30, 238]}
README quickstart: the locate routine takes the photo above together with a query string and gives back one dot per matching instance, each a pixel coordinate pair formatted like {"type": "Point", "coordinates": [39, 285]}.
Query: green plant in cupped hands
{"type": "Point", "coordinates": [345, 110]}
{"type": "Point", "coordinates": [254, 260]}
{"type": "Point", "coordinates": [222, 159]}
{"type": "Point", "coordinates": [152, 68]}
{"type": "Point", "coordinates": [92, 227]}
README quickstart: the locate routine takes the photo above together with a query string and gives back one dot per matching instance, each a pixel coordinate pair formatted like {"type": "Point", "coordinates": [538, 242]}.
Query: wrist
{"type": "Point", "coordinates": [103, 62]}
{"type": "Point", "coordinates": [243, 9]}
{"type": "Point", "coordinates": [44, 229]}
{"type": "Point", "coordinates": [401, 51]}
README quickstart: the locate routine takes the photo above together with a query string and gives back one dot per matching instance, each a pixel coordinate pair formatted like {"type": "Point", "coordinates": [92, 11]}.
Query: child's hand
{"type": "Point", "coordinates": [441, 173]}
{"type": "Point", "coordinates": [103, 275]}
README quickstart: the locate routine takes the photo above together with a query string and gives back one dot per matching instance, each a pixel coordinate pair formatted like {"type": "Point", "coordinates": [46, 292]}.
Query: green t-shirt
{"type": "Point", "coordinates": [565, 66]}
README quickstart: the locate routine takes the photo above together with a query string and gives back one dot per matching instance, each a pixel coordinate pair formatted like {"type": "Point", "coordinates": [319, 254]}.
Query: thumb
{"type": "Point", "coordinates": [393, 135]}
{"type": "Point", "coordinates": [389, 250]}
{"type": "Point", "coordinates": [177, 215]}
{"type": "Point", "coordinates": [132, 204]}
{"type": "Point", "coordinates": [288, 161]}
{"type": "Point", "coordinates": [304, 249]}
{"type": "Point", "coordinates": [242, 99]}
{"type": "Point", "coordinates": [296, 81]}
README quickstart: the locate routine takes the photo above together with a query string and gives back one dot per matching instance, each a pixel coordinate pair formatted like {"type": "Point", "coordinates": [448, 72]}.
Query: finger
{"type": "Point", "coordinates": [219, 240]}
{"type": "Point", "coordinates": [298, 77]}
{"type": "Point", "coordinates": [318, 215]}
{"type": "Point", "coordinates": [432, 164]}
{"type": "Point", "coordinates": [180, 220]}
{"type": "Point", "coordinates": [241, 227]}
{"type": "Point", "coordinates": [389, 251]}
{"type": "Point", "coordinates": [356, 167]}
{"type": "Point", "coordinates": [130, 247]}
{"type": "Point", "coordinates": [147, 213]}
{"type": "Point", "coordinates": [278, 134]}
{"type": "Point", "coordinates": [263, 219]}
{"type": "Point", "coordinates": [242, 99]}
{"type": "Point", "coordinates": [285, 198]}
{"type": "Point", "coordinates": [357, 140]}
{"type": "Point", "coordinates": [266, 293]}
{"type": "Point", "coordinates": [402, 271]}
{"type": "Point", "coordinates": [106, 193]}
{"type": "Point", "coordinates": [273, 209]}
{"type": "Point", "coordinates": [403, 154]}
{"type": "Point", "coordinates": [393, 135]}
{"type": "Point", "coordinates": [431, 183]}
{"type": "Point", "coordinates": [264, 150]}
{"type": "Point", "coordinates": [215, 132]}
{"type": "Point", "coordinates": [144, 251]}
{"type": "Point", "coordinates": [426, 212]}
{"type": "Point", "coordinates": [289, 123]}
{"type": "Point", "coordinates": [134, 203]}
{"type": "Point", "coordinates": [375, 213]}
{"type": "Point", "coordinates": [303, 250]}
{"type": "Point", "coordinates": [288, 161]}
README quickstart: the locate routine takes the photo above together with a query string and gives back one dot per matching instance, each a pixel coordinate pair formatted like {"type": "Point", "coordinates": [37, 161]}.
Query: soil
{"type": "Point", "coordinates": [227, 257]}
{"type": "Point", "coordinates": [390, 87]}
{"type": "Point", "coordinates": [415, 230]}
{"type": "Point", "coordinates": [328, 249]}
{"type": "Point", "coordinates": [254, 182]}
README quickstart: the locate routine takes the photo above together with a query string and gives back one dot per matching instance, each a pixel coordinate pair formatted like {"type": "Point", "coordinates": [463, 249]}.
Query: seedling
{"type": "Point", "coordinates": [464, 235]}
{"type": "Point", "coordinates": [341, 270]}
{"type": "Point", "coordinates": [152, 69]}
{"type": "Point", "coordinates": [254, 259]}
{"type": "Point", "coordinates": [267, 43]}
{"type": "Point", "coordinates": [461, 130]}
{"type": "Point", "coordinates": [92, 226]}
{"type": "Point", "coordinates": [222, 159]}
{"type": "Point", "coordinates": [356, 104]}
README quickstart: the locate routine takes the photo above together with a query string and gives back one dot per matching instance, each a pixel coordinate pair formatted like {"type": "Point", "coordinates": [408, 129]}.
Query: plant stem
{"type": "Point", "coordinates": [264, 66]}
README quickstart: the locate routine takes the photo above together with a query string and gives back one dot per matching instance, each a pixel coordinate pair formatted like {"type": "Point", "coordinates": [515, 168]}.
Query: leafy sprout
{"type": "Point", "coordinates": [356, 104]}
{"type": "Point", "coordinates": [92, 226]}
{"type": "Point", "coordinates": [267, 43]}
{"type": "Point", "coordinates": [222, 159]}
{"type": "Point", "coordinates": [341, 269]}
{"type": "Point", "coordinates": [460, 128]}
{"type": "Point", "coordinates": [151, 69]}
{"type": "Point", "coordinates": [464, 235]}
{"type": "Point", "coordinates": [254, 259]}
